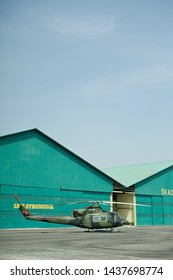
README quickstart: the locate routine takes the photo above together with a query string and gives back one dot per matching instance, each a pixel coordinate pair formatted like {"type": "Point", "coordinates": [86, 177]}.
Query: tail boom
{"type": "Point", "coordinates": [67, 220]}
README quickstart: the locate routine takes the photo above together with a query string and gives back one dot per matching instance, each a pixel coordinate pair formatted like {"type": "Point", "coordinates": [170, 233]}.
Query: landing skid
{"type": "Point", "coordinates": [100, 230]}
{"type": "Point", "coordinates": [89, 230]}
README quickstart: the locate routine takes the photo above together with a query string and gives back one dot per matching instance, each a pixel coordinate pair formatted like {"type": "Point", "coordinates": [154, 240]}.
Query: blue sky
{"type": "Point", "coordinates": [96, 76]}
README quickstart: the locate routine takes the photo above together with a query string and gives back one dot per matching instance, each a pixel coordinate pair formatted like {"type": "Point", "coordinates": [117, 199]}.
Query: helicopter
{"type": "Point", "coordinates": [93, 217]}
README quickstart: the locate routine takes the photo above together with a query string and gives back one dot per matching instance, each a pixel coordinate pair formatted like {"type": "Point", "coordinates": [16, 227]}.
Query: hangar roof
{"type": "Point", "coordinates": [132, 174]}
{"type": "Point", "coordinates": [10, 138]}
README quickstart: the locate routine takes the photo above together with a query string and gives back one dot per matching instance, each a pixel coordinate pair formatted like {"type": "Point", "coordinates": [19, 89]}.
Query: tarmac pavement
{"type": "Point", "coordinates": [125, 243]}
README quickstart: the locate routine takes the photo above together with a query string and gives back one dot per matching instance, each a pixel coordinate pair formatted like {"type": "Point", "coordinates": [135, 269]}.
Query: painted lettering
{"type": "Point", "coordinates": [16, 206]}
{"type": "Point", "coordinates": [35, 206]}
{"type": "Point", "coordinates": [166, 191]}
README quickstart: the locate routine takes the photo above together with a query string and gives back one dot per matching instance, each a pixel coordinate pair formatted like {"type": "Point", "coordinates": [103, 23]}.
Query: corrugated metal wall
{"type": "Point", "coordinates": [160, 212]}
{"type": "Point", "coordinates": [41, 172]}
{"type": "Point", "coordinates": [156, 191]}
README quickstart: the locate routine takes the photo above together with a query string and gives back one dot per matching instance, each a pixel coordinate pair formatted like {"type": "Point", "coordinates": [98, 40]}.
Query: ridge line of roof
{"type": "Point", "coordinates": [138, 164]}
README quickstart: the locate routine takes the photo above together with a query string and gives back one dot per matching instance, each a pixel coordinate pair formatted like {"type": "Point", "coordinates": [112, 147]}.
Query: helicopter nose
{"type": "Point", "coordinates": [124, 222]}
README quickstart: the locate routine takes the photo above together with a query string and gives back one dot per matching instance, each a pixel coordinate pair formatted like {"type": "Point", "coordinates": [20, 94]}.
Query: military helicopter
{"type": "Point", "coordinates": [92, 217]}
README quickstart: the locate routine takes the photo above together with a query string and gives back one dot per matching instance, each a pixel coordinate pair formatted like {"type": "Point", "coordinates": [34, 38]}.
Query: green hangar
{"type": "Point", "coordinates": [148, 184]}
{"type": "Point", "coordinates": [44, 173]}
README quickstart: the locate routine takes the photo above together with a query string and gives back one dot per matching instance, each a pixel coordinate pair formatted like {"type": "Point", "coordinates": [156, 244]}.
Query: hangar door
{"type": "Point", "coordinates": [160, 212]}
{"type": "Point", "coordinates": [157, 210]}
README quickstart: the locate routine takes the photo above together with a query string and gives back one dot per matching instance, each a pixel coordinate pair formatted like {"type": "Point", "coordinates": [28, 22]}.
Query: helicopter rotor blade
{"type": "Point", "coordinates": [126, 203]}
{"type": "Point", "coordinates": [103, 202]}
{"type": "Point", "coordinates": [82, 202]}
{"type": "Point", "coordinates": [73, 202]}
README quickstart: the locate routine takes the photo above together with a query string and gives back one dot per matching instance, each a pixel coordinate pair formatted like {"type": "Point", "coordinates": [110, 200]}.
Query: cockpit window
{"type": "Point", "coordinates": [117, 217]}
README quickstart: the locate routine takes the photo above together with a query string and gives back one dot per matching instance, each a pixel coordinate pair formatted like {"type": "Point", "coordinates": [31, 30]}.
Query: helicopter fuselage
{"type": "Point", "coordinates": [89, 221]}
{"type": "Point", "coordinates": [92, 217]}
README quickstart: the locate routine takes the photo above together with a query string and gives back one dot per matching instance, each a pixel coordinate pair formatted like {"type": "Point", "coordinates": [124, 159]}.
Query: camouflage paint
{"type": "Point", "coordinates": [87, 220]}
